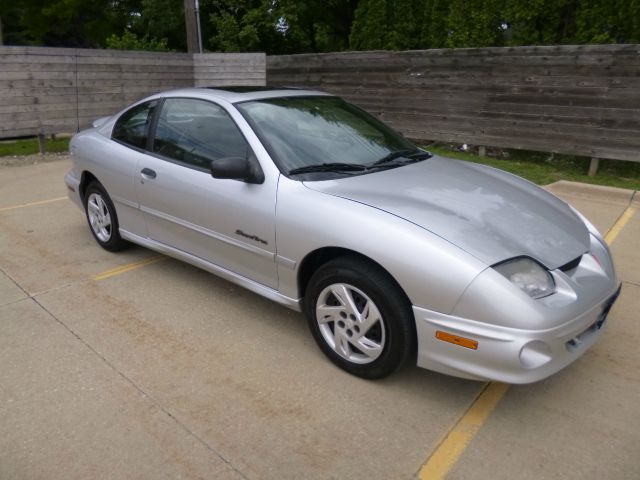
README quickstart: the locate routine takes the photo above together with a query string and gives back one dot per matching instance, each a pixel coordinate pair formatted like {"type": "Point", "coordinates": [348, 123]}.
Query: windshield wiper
{"type": "Point", "coordinates": [329, 167]}
{"type": "Point", "coordinates": [410, 154]}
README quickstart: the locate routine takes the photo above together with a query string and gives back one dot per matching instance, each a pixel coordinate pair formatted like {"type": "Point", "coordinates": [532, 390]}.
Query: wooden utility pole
{"type": "Point", "coordinates": [1, 42]}
{"type": "Point", "coordinates": [192, 27]}
{"type": "Point", "coordinates": [197, 3]}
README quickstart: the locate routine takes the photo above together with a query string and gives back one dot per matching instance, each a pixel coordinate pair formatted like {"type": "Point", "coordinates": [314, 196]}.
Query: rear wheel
{"type": "Point", "coordinates": [101, 215]}
{"type": "Point", "coordinates": [360, 318]}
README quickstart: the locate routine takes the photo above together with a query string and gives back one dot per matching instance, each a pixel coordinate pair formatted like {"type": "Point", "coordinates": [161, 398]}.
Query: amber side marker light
{"type": "Point", "coordinates": [456, 340]}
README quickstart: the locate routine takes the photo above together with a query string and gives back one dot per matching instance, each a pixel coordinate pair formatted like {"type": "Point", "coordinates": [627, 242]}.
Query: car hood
{"type": "Point", "coordinates": [489, 213]}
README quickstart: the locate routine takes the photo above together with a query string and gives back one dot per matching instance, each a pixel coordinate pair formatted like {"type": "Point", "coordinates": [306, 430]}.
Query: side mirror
{"type": "Point", "coordinates": [237, 168]}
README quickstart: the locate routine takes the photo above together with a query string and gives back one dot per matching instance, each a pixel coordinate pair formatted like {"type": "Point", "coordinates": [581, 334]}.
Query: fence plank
{"type": "Point", "coordinates": [582, 100]}
{"type": "Point", "coordinates": [56, 90]}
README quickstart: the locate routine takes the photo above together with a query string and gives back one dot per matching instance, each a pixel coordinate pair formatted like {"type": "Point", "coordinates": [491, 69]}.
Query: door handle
{"type": "Point", "coordinates": [148, 173]}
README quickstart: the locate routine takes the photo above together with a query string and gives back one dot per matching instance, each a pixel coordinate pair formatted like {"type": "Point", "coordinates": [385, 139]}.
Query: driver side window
{"type": "Point", "coordinates": [195, 132]}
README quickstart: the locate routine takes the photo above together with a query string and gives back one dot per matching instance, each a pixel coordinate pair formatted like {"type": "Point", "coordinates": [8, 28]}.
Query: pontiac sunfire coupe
{"type": "Point", "coordinates": [393, 254]}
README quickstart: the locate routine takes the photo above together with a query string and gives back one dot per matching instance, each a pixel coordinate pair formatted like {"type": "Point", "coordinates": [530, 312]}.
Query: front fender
{"type": "Point", "coordinates": [432, 272]}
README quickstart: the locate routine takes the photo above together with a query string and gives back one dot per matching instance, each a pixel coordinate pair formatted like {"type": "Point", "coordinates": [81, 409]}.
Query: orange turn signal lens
{"type": "Point", "coordinates": [456, 340]}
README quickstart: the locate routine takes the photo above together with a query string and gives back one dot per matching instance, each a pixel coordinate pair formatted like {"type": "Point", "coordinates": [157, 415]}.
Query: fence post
{"type": "Point", "coordinates": [42, 143]}
{"type": "Point", "coordinates": [593, 166]}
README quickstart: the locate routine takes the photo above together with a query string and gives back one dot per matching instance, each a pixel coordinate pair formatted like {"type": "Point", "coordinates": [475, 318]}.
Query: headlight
{"type": "Point", "coordinates": [528, 275]}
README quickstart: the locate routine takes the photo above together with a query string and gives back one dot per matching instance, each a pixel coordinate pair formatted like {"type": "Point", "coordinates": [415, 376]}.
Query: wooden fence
{"type": "Point", "coordinates": [54, 90]}
{"type": "Point", "coordinates": [582, 100]}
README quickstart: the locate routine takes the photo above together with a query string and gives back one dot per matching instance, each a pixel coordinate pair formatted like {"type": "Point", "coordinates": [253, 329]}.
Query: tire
{"type": "Point", "coordinates": [102, 218]}
{"type": "Point", "coordinates": [360, 318]}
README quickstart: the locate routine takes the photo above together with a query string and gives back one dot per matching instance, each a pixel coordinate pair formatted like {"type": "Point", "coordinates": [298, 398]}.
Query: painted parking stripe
{"type": "Point", "coordinates": [447, 453]}
{"type": "Point", "coordinates": [103, 275]}
{"type": "Point", "coordinates": [619, 225]}
{"type": "Point", "coordinates": [454, 443]}
{"type": "Point", "coordinates": [32, 204]}
{"type": "Point", "coordinates": [128, 267]}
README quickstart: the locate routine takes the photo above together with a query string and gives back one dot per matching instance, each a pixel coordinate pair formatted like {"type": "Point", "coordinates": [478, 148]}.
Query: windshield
{"type": "Point", "coordinates": [307, 131]}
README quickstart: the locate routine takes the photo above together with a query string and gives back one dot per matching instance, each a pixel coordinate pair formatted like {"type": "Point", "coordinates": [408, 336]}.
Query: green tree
{"type": "Point", "coordinates": [130, 41]}
{"type": "Point", "coordinates": [435, 24]}
{"type": "Point", "coordinates": [151, 25]}
{"type": "Point", "coordinates": [615, 21]}
{"type": "Point", "coordinates": [539, 22]}
{"type": "Point", "coordinates": [280, 26]}
{"type": "Point", "coordinates": [296, 26]}
{"type": "Point", "coordinates": [146, 24]}
{"type": "Point", "coordinates": [244, 26]}
{"type": "Point", "coordinates": [404, 24]}
{"type": "Point", "coordinates": [68, 23]}
{"type": "Point", "coordinates": [475, 23]}
{"type": "Point", "coordinates": [400, 24]}
{"type": "Point", "coordinates": [316, 25]}
{"type": "Point", "coordinates": [369, 26]}
{"type": "Point", "coordinates": [163, 19]}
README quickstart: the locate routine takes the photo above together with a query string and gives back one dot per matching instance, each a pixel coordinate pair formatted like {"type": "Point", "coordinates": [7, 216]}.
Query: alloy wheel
{"type": "Point", "coordinates": [99, 217]}
{"type": "Point", "coordinates": [350, 323]}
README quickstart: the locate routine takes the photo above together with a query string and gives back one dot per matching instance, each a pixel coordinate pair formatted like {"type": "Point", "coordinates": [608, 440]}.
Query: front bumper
{"type": "Point", "coordinates": [506, 354]}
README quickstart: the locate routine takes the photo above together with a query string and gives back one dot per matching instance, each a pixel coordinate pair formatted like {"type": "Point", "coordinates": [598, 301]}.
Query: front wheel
{"type": "Point", "coordinates": [101, 215]}
{"type": "Point", "coordinates": [360, 317]}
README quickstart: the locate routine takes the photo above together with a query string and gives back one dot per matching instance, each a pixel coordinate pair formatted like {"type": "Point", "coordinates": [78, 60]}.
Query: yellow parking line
{"type": "Point", "coordinates": [619, 225]}
{"type": "Point", "coordinates": [449, 450]}
{"type": "Point", "coordinates": [127, 267]}
{"type": "Point", "coordinates": [32, 204]}
{"type": "Point", "coordinates": [452, 446]}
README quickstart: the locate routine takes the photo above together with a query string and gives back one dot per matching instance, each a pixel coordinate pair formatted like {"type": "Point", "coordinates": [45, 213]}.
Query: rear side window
{"type": "Point", "coordinates": [132, 128]}
{"type": "Point", "coordinates": [195, 132]}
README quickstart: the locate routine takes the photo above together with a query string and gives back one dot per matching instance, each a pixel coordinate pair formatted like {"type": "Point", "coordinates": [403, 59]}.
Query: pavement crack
{"type": "Point", "coordinates": [58, 287]}
{"type": "Point", "coordinates": [37, 294]}
{"type": "Point", "coordinates": [150, 398]}
{"type": "Point", "coordinates": [15, 283]}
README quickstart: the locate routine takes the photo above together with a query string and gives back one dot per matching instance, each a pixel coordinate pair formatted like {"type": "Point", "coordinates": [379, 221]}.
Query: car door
{"type": "Point", "coordinates": [229, 223]}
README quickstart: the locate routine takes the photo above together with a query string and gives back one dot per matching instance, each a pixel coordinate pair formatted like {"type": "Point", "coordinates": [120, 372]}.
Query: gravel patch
{"type": "Point", "coordinates": [21, 160]}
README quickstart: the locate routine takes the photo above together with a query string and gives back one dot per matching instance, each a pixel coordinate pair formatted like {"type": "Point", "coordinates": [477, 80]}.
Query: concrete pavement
{"type": "Point", "coordinates": [166, 371]}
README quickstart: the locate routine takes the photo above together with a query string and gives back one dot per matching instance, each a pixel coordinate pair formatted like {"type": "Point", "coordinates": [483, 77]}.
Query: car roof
{"type": "Point", "coordinates": [236, 94]}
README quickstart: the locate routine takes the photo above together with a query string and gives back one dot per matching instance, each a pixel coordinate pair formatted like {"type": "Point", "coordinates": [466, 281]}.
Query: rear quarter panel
{"type": "Point", "coordinates": [115, 167]}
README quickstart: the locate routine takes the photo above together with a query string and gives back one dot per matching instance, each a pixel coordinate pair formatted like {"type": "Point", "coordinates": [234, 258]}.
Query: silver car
{"type": "Point", "coordinates": [393, 254]}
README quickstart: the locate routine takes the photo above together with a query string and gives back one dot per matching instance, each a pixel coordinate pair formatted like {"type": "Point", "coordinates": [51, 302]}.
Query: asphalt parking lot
{"type": "Point", "coordinates": [134, 365]}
